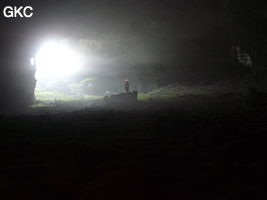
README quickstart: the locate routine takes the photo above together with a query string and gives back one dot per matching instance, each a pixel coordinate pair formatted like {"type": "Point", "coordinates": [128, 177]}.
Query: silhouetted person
{"type": "Point", "coordinates": [127, 86]}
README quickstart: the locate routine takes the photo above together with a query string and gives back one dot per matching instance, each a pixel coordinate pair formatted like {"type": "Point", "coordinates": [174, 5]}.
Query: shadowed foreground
{"type": "Point", "coordinates": [157, 152]}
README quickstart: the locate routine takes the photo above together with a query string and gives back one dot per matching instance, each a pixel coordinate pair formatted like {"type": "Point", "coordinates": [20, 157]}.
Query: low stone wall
{"type": "Point", "coordinates": [122, 98]}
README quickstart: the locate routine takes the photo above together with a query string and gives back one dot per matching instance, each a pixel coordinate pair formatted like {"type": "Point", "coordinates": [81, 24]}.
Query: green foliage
{"type": "Point", "coordinates": [174, 91]}
{"type": "Point", "coordinates": [52, 96]}
{"type": "Point", "coordinates": [41, 105]}
{"type": "Point", "coordinates": [143, 96]}
{"type": "Point", "coordinates": [83, 86]}
{"type": "Point", "coordinates": [87, 80]}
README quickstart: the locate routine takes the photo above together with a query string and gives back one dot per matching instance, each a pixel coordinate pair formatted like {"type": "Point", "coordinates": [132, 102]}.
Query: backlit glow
{"type": "Point", "coordinates": [55, 60]}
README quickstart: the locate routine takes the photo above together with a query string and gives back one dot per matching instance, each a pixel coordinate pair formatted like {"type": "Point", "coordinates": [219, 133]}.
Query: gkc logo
{"type": "Point", "coordinates": [15, 11]}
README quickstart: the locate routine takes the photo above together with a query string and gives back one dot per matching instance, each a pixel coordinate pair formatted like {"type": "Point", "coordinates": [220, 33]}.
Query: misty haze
{"type": "Point", "coordinates": [130, 99]}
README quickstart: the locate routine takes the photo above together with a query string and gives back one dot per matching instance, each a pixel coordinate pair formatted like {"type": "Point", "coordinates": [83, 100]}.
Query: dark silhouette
{"type": "Point", "coordinates": [127, 86]}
